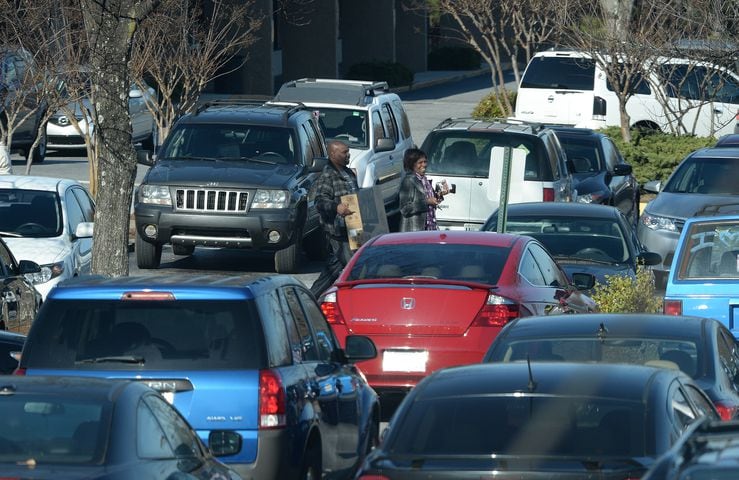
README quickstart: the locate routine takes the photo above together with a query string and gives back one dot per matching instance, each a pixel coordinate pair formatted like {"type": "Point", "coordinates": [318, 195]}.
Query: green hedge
{"type": "Point", "coordinates": [488, 106]}
{"type": "Point", "coordinates": [454, 58]}
{"type": "Point", "coordinates": [623, 294]}
{"type": "Point", "coordinates": [395, 74]}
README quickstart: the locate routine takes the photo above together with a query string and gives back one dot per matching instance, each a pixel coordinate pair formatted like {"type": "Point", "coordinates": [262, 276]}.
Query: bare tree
{"type": "Point", "coordinates": [184, 46]}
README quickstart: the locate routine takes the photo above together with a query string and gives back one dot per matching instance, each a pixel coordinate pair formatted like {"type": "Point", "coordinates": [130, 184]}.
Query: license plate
{"type": "Point", "coordinates": [404, 360]}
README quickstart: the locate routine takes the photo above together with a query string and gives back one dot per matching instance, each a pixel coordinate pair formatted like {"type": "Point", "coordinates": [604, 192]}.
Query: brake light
{"type": "Point", "coordinates": [725, 411]}
{"type": "Point", "coordinates": [19, 371]}
{"type": "Point", "coordinates": [548, 195]}
{"type": "Point", "coordinates": [147, 295]}
{"type": "Point", "coordinates": [673, 307]}
{"type": "Point", "coordinates": [331, 310]}
{"type": "Point", "coordinates": [272, 405]}
{"type": "Point", "coordinates": [496, 312]}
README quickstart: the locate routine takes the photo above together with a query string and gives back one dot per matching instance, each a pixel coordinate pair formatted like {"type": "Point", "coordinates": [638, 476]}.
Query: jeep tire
{"type": "Point", "coordinates": [287, 260]}
{"type": "Point", "coordinates": [148, 255]}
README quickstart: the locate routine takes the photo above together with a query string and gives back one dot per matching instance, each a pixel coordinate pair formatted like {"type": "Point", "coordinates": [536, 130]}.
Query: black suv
{"type": "Point", "coordinates": [237, 175]}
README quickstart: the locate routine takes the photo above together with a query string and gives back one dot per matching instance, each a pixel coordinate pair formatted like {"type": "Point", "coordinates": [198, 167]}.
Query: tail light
{"type": "Point", "coordinates": [599, 108]}
{"type": "Point", "coordinates": [725, 411]}
{"type": "Point", "coordinates": [496, 312]}
{"type": "Point", "coordinates": [331, 310]}
{"type": "Point", "coordinates": [272, 405]}
{"type": "Point", "coordinates": [548, 195]}
{"type": "Point", "coordinates": [19, 371]}
{"type": "Point", "coordinates": [673, 307]}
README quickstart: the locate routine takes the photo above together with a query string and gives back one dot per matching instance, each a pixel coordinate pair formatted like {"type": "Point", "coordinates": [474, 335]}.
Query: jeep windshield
{"type": "Point", "coordinates": [349, 126]}
{"type": "Point", "coordinates": [231, 142]}
{"type": "Point", "coordinates": [147, 335]}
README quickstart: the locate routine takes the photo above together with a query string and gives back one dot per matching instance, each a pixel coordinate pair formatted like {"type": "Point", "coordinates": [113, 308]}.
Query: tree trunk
{"type": "Point", "coordinates": [110, 27]}
{"type": "Point", "coordinates": [625, 122]}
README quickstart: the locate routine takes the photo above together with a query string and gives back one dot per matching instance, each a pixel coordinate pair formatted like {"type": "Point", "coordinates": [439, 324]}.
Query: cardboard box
{"type": "Point", "coordinates": [369, 218]}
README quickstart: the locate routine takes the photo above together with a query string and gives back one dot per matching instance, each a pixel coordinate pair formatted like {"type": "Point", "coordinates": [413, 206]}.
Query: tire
{"type": "Point", "coordinates": [316, 245]}
{"type": "Point", "coordinates": [148, 255]}
{"type": "Point", "coordinates": [39, 153]}
{"type": "Point", "coordinates": [287, 260]}
{"type": "Point", "coordinates": [183, 249]}
{"type": "Point", "coordinates": [310, 468]}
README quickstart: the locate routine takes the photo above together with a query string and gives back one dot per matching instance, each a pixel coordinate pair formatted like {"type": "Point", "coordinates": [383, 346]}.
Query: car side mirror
{"type": "Point", "coordinates": [84, 230]}
{"type": "Point", "coordinates": [317, 164]}
{"type": "Point", "coordinates": [359, 348]}
{"type": "Point", "coordinates": [145, 157]}
{"type": "Point", "coordinates": [583, 281]}
{"type": "Point", "coordinates": [622, 169]}
{"type": "Point", "coordinates": [384, 145]}
{"type": "Point", "coordinates": [224, 442]}
{"type": "Point", "coordinates": [28, 266]}
{"type": "Point", "coordinates": [653, 186]}
{"type": "Point", "coordinates": [649, 258]}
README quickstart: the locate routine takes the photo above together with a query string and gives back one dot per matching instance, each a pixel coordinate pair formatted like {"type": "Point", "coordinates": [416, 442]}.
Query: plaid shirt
{"type": "Point", "coordinates": [329, 188]}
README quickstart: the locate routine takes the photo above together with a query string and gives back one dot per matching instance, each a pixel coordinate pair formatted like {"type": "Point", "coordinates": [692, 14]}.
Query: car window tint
{"type": "Point", "coordinates": [390, 126]}
{"type": "Point", "coordinates": [151, 442]}
{"type": "Point", "coordinates": [460, 262]}
{"type": "Point", "coordinates": [610, 152]}
{"type": "Point", "coordinates": [74, 211]}
{"type": "Point", "coordinates": [30, 213]}
{"type": "Point", "coordinates": [530, 270]}
{"type": "Point", "coordinates": [349, 126]}
{"type": "Point", "coordinates": [378, 130]}
{"type": "Point", "coordinates": [307, 342]}
{"type": "Point", "coordinates": [316, 140]}
{"type": "Point", "coordinates": [560, 73]}
{"type": "Point", "coordinates": [558, 168]}
{"type": "Point", "coordinates": [187, 335]}
{"type": "Point", "coordinates": [728, 356]}
{"type": "Point", "coordinates": [638, 85]}
{"type": "Point", "coordinates": [709, 250]}
{"type": "Point", "coordinates": [583, 152]}
{"type": "Point", "coordinates": [402, 118]}
{"type": "Point", "coordinates": [700, 401]}
{"type": "Point", "coordinates": [553, 276]}
{"type": "Point", "coordinates": [324, 337]}
{"type": "Point", "coordinates": [275, 331]}
{"type": "Point", "coordinates": [681, 409]}
{"type": "Point", "coordinates": [305, 144]}
{"type": "Point", "coordinates": [177, 432]}
{"type": "Point", "coordinates": [86, 203]}
{"type": "Point", "coordinates": [7, 265]}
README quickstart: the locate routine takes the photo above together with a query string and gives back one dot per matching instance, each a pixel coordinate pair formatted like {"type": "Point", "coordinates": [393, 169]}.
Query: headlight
{"type": "Point", "coordinates": [48, 271]}
{"type": "Point", "coordinates": [155, 194]}
{"type": "Point", "coordinates": [656, 222]}
{"type": "Point", "coordinates": [270, 199]}
{"type": "Point", "coordinates": [593, 197]}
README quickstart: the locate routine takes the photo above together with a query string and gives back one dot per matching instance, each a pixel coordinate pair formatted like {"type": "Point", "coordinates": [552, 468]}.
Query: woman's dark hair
{"type": "Point", "coordinates": [412, 155]}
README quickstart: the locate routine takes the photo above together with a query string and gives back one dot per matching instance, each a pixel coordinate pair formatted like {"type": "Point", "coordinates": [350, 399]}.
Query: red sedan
{"type": "Point", "coordinates": [435, 299]}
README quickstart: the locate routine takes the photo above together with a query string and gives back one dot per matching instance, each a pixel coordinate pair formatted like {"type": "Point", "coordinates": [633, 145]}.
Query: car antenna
{"type": "Point", "coordinates": [602, 330]}
{"type": "Point", "coordinates": [532, 383]}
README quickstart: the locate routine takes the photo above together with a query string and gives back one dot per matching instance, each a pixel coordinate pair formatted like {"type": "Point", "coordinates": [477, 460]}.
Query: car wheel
{"type": "Point", "coordinates": [287, 260]}
{"type": "Point", "coordinates": [183, 249]}
{"type": "Point", "coordinates": [316, 245]}
{"type": "Point", "coordinates": [311, 467]}
{"type": "Point", "coordinates": [148, 255]}
{"type": "Point", "coordinates": [39, 153]}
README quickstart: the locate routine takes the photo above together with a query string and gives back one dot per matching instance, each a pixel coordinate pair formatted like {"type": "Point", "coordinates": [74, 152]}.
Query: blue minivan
{"type": "Point", "coordinates": [252, 364]}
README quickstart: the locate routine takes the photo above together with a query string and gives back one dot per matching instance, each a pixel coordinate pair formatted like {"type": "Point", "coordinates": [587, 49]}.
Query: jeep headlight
{"type": "Point", "coordinates": [48, 271]}
{"type": "Point", "coordinates": [270, 199]}
{"type": "Point", "coordinates": [655, 222]}
{"type": "Point", "coordinates": [155, 194]}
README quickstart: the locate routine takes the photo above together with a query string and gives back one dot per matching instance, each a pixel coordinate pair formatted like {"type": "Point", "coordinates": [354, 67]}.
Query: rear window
{"type": "Point", "coordinates": [585, 153]}
{"type": "Point", "coordinates": [561, 73]}
{"type": "Point", "coordinates": [146, 335]}
{"type": "Point", "coordinates": [710, 250]}
{"type": "Point", "coordinates": [521, 425]}
{"type": "Point", "coordinates": [467, 153]}
{"type": "Point", "coordinates": [349, 126]}
{"type": "Point", "coordinates": [448, 262]}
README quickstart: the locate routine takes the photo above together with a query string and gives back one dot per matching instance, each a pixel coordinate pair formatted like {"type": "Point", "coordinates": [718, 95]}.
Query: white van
{"type": "Point", "coordinates": [568, 87]}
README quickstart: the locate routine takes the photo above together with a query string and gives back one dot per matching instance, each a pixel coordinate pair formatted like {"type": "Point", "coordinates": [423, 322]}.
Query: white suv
{"type": "Point", "coordinates": [368, 118]}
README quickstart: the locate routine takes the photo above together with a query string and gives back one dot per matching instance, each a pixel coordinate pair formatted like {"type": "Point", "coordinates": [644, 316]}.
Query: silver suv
{"type": "Point", "coordinates": [368, 118]}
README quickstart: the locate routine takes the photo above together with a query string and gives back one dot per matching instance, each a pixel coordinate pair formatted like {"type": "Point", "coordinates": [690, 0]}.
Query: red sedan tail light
{"type": "Point", "coordinates": [331, 310]}
{"type": "Point", "coordinates": [496, 312]}
{"type": "Point", "coordinates": [673, 307]}
{"type": "Point", "coordinates": [19, 371]}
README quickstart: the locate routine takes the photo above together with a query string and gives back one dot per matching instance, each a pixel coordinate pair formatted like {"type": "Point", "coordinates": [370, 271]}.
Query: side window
{"type": "Point", "coordinates": [276, 333]}
{"type": "Point", "coordinates": [390, 126]}
{"type": "Point", "coordinates": [378, 131]}
{"type": "Point", "coordinates": [307, 344]}
{"type": "Point", "coordinates": [7, 266]}
{"type": "Point", "coordinates": [701, 403]}
{"type": "Point", "coordinates": [529, 270]}
{"type": "Point", "coordinates": [176, 430]}
{"type": "Point", "coordinates": [306, 147]}
{"type": "Point", "coordinates": [552, 275]}
{"type": "Point", "coordinates": [554, 154]}
{"type": "Point", "coordinates": [86, 203]}
{"type": "Point", "coordinates": [611, 157]}
{"type": "Point", "coordinates": [321, 329]}
{"type": "Point", "coordinates": [681, 409]}
{"type": "Point", "coordinates": [315, 139]}
{"type": "Point", "coordinates": [74, 212]}
{"type": "Point", "coordinates": [728, 356]}
{"type": "Point", "coordinates": [723, 87]}
{"type": "Point", "coordinates": [150, 441]}
{"type": "Point", "coordinates": [402, 118]}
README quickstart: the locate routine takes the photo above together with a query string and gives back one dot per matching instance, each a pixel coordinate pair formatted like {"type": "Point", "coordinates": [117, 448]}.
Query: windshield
{"type": "Point", "coordinates": [713, 176]}
{"type": "Point", "coordinates": [522, 425]}
{"type": "Point", "coordinates": [230, 142]}
{"type": "Point", "coordinates": [710, 250]}
{"type": "Point", "coordinates": [349, 126]}
{"type": "Point", "coordinates": [149, 335]}
{"type": "Point", "coordinates": [30, 213]}
{"type": "Point", "coordinates": [476, 263]}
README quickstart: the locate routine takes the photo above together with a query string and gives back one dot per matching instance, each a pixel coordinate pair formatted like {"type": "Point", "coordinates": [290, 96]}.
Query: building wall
{"type": "Point", "coordinates": [367, 31]}
{"type": "Point", "coordinates": [411, 38]}
{"type": "Point", "coordinates": [309, 49]}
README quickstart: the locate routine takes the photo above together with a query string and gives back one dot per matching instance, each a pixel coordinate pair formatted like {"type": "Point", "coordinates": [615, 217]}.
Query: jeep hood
{"type": "Point", "coordinates": [686, 205]}
{"type": "Point", "coordinates": [224, 173]}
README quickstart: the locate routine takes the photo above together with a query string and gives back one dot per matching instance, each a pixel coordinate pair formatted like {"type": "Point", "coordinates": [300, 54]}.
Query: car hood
{"type": "Point", "coordinates": [40, 250]}
{"type": "Point", "coordinates": [220, 173]}
{"type": "Point", "coordinates": [686, 205]}
{"type": "Point", "coordinates": [600, 271]}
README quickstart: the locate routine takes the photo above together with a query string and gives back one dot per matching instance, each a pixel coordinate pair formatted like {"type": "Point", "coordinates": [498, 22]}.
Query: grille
{"type": "Point", "coordinates": [206, 200]}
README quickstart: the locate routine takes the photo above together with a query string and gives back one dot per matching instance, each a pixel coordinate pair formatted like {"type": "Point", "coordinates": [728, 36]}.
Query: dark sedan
{"type": "Point", "coordinates": [71, 428]}
{"type": "Point", "coordinates": [595, 239]}
{"type": "Point", "coordinates": [537, 420]}
{"type": "Point", "coordinates": [600, 174]}
{"type": "Point", "coordinates": [703, 348]}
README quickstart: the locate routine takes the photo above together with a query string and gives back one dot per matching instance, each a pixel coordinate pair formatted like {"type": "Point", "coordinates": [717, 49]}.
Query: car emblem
{"type": "Point", "coordinates": [550, 99]}
{"type": "Point", "coordinates": [211, 184]}
{"type": "Point", "coordinates": [63, 120]}
{"type": "Point", "coordinates": [407, 303]}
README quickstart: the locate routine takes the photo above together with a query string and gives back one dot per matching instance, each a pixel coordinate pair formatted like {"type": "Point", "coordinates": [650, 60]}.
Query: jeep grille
{"type": "Point", "coordinates": [205, 200]}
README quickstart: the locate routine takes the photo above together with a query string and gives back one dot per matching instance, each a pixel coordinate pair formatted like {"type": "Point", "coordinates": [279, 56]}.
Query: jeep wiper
{"type": "Point", "coordinates": [188, 157]}
{"type": "Point", "coordinates": [10, 234]}
{"type": "Point", "coordinates": [112, 359]}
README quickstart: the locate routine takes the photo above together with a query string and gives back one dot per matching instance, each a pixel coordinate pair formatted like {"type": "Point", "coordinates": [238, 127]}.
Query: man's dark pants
{"type": "Point", "coordinates": [339, 256]}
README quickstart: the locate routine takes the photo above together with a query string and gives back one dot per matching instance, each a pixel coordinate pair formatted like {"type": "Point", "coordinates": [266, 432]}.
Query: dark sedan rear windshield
{"type": "Point", "coordinates": [149, 335]}
{"type": "Point", "coordinates": [449, 262]}
{"type": "Point", "coordinates": [521, 425]}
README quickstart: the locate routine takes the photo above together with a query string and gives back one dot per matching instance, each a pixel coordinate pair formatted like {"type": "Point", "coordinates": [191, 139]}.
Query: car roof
{"type": "Point", "coordinates": [616, 324]}
{"type": "Point", "coordinates": [493, 125]}
{"type": "Point", "coordinates": [331, 91]}
{"type": "Point", "coordinates": [28, 182]}
{"type": "Point", "coordinates": [182, 286]}
{"type": "Point", "coordinates": [728, 141]}
{"type": "Point", "coordinates": [618, 381]}
{"type": "Point", "coordinates": [458, 237]}
{"type": "Point", "coordinates": [566, 131]}
{"type": "Point", "coordinates": [568, 209]}
{"type": "Point", "coordinates": [100, 390]}
{"type": "Point", "coordinates": [713, 152]}
{"type": "Point", "coordinates": [253, 112]}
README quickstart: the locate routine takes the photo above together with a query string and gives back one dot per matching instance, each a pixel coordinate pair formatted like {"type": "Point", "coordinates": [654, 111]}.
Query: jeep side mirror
{"type": "Point", "coordinates": [145, 157]}
{"type": "Point", "coordinates": [384, 145]}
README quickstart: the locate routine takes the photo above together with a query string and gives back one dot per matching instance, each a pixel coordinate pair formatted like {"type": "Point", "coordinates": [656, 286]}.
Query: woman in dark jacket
{"type": "Point", "coordinates": [418, 200]}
